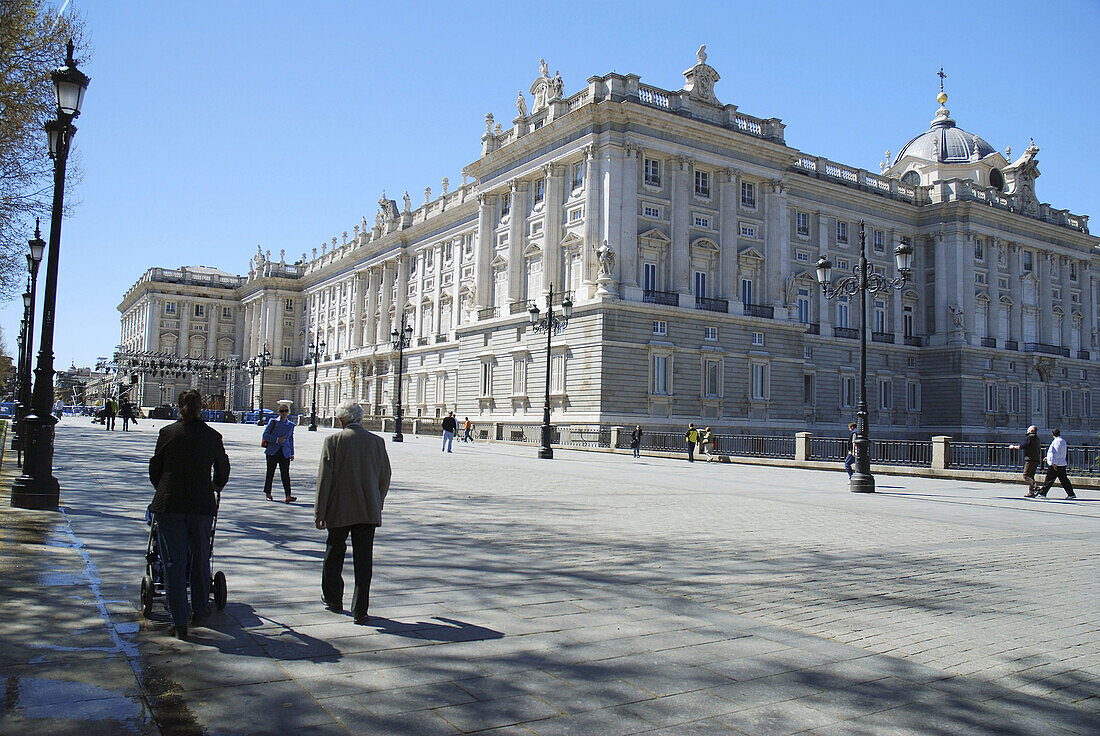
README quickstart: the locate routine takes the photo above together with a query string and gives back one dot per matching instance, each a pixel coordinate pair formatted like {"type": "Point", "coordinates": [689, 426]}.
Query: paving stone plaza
{"type": "Point", "coordinates": [591, 594]}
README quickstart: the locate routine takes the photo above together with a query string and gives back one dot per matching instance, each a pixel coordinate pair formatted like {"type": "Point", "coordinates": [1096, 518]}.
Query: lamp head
{"type": "Point", "coordinates": [37, 248]}
{"type": "Point", "coordinates": [567, 307]}
{"type": "Point", "coordinates": [27, 300]}
{"type": "Point", "coordinates": [53, 135]}
{"type": "Point", "coordinates": [824, 270]}
{"type": "Point", "coordinates": [534, 312]}
{"type": "Point", "coordinates": [903, 254]}
{"type": "Point", "coordinates": [70, 84]}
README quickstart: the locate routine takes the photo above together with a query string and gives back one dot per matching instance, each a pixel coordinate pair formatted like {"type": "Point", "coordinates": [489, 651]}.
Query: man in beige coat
{"type": "Point", "coordinates": [352, 483]}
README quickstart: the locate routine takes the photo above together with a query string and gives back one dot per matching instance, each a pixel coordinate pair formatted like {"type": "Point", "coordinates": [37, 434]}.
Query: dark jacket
{"type": "Point", "coordinates": [450, 425]}
{"type": "Point", "coordinates": [188, 465]}
{"type": "Point", "coordinates": [1030, 446]}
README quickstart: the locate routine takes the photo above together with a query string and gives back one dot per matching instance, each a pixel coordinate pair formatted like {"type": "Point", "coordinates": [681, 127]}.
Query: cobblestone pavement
{"type": "Point", "coordinates": [593, 594]}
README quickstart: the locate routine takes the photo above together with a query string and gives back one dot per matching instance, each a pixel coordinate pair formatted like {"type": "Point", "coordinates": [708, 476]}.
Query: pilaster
{"type": "Point", "coordinates": [777, 246]}
{"type": "Point", "coordinates": [517, 237]}
{"type": "Point", "coordinates": [483, 252]}
{"type": "Point", "coordinates": [625, 242]}
{"type": "Point", "coordinates": [729, 278]}
{"type": "Point", "coordinates": [681, 200]}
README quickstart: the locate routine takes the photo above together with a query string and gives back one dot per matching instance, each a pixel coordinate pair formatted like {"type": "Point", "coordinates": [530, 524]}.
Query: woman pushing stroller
{"type": "Point", "coordinates": [189, 466]}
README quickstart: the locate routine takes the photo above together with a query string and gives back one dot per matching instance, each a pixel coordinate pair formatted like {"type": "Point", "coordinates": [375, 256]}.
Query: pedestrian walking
{"type": "Point", "coordinates": [126, 411]}
{"type": "Point", "coordinates": [278, 443]}
{"type": "Point", "coordinates": [352, 482]}
{"type": "Point", "coordinates": [59, 409]}
{"type": "Point", "coordinates": [706, 446]}
{"type": "Point", "coordinates": [110, 409]}
{"type": "Point", "coordinates": [850, 458]}
{"type": "Point", "coordinates": [1057, 465]}
{"type": "Point", "coordinates": [188, 466]}
{"type": "Point", "coordinates": [692, 438]}
{"type": "Point", "coordinates": [1030, 446]}
{"type": "Point", "coordinates": [450, 427]}
{"type": "Point", "coordinates": [636, 440]}
{"type": "Point", "coordinates": [469, 427]}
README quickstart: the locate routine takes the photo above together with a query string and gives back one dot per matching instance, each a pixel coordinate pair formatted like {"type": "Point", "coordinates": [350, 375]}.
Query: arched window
{"type": "Point", "coordinates": [912, 178]}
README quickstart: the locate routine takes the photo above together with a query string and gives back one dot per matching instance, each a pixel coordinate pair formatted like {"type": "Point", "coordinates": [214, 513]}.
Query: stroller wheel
{"type": "Point", "coordinates": [146, 597]}
{"type": "Point", "coordinates": [221, 591]}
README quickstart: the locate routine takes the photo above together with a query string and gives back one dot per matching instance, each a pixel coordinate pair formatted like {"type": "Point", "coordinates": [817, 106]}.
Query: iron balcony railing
{"type": "Point", "coordinates": [519, 307]}
{"type": "Point", "coordinates": [887, 337]}
{"type": "Point", "coordinates": [989, 342]}
{"type": "Point", "coordinates": [668, 298]}
{"type": "Point", "coordinates": [487, 313]}
{"type": "Point", "coordinates": [813, 328]}
{"type": "Point", "coordinates": [421, 341]}
{"type": "Point", "coordinates": [759, 310]}
{"type": "Point", "coordinates": [913, 340]}
{"type": "Point", "coordinates": [1039, 347]}
{"type": "Point", "coordinates": [1012, 345]}
{"type": "Point", "coordinates": [712, 305]}
{"type": "Point", "coordinates": [1083, 354]}
{"type": "Point", "coordinates": [850, 333]}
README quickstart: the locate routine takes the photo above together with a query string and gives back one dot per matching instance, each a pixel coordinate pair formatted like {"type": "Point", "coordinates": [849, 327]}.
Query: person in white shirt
{"type": "Point", "coordinates": [1056, 466]}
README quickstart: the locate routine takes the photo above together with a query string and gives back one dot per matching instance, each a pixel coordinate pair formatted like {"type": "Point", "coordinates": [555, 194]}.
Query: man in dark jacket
{"type": "Point", "coordinates": [188, 467]}
{"type": "Point", "coordinates": [1030, 446]}
{"type": "Point", "coordinates": [450, 426]}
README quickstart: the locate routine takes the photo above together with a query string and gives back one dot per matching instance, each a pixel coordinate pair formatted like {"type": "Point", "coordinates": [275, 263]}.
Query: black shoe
{"type": "Point", "coordinates": [180, 632]}
{"type": "Point", "coordinates": [291, 499]}
{"type": "Point", "coordinates": [335, 608]}
{"type": "Point", "coordinates": [1041, 494]}
{"type": "Point", "coordinates": [1031, 494]}
{"type": "Point", "coordinates": [1070, 496]}
{"type": "Point", "coordinates": [199, 618]}
{"type": "Point", "coordinates": [362, 620]}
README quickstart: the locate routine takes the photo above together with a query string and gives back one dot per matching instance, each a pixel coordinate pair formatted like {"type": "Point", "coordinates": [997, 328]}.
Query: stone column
{"type": "Point", "coordinates": [437, 291]}
{"type": "Point", "coordinates": [276, 307]}
{"type": "Point", "coordinates": [729, 278]}
{"type": "Point", "coordinates": [517, 235]}
{"type": "Point", "coordinates": [777, 246]}
{"type": "Point", "coordinates": [1016, 293]}
{"type": "Point", "coordinates": [456, 284]}
{"type": "Point", "coordinates": [402, 287]}
{"type": "Point", "coordinates": [212, 331]}
{"type": "Point", "coordinates": [552, 272]}
{"type": "Point", "coordinates": [592, 177]}
{"type": "Point", "coordinates": [417, 307]}
{"type": "Point", "coordinates": [965, 275]}
{"type": "Point", "coordinates": [611, 191]}
{"type": "Point", "coordinates": [624, 238]}
{"type": "Point", "coordinates": [386, 321]}
{"type": "Point", "coordinates": [1046, 315]}
{"type": "Point", "coordinates": [483, 251]}
{"type": "Point", "coordinates": [1088, 310]}
{"type": "Point", "coordinates": [357, 310]}
{"type": "Point", "coordinates": [943, 297]}
{"type": "Point", "coordinates": [680, 263]}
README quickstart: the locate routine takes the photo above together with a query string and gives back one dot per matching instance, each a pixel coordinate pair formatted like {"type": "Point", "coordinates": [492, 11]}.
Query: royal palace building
{"type": "Point", "coordinates": [685, 233]}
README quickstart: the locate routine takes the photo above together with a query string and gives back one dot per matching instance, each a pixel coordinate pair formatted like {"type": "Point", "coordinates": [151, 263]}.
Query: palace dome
{"type": "Point", "coordinates": [946, 143]}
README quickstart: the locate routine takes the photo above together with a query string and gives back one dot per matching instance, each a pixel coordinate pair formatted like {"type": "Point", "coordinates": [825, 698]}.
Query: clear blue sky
{"type": "Point", "coordinates": [211, 127]}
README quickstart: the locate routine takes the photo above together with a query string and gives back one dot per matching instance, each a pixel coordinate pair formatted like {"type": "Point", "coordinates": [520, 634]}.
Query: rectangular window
{"type": "Point", "coordinates": [578, 175]}
{"type": "Point", "coordinates": [1028, 261]}
{"type": "Point", "coordinates": [912, 396]}
{"type": "Point", "coordinates": [748, 231]}
{"type": "Point", "coordinates": [702, 222]}
{"type": "Point", "coordinates": [700, 284]}
{"type": "Point", "coordinates": [802, 256]}
{"type": "Point", "coordinates": [809, 397]}
{"type": "Point", "coordinates": [907, 321]}
{"type": "Point", "coordinates": [1067, 403]}
{"type": "Point", "coordinates": [486, 379]}
{"type": "Point", "coordinates": [885, 394]}
{"type": "Point", "coordinates": [540, 190]}
{"type": "Point", "coordinates": [802, 222]}
{"type": "Point", "coordinates": [841, 232]}
{"type": "Point", "coordinates": [288, 305]}
{"type": "Point", "coordinates": [649, 276]}
{"type": "Point", "coordinates": [979, 250]}
{"type": "Point", "coordinates": [991, 397]}
{"type": "Point", "coordinates": [879, 241]}
{"type": "Point", "coordinates": [660, 327]}
{"type": "Point", "coordinates": [880, 316]}
{"type": "Point", "coordinates": [758, 339]}
{"type": "Point", "coordinates": [710, 333]}
{"type": "Point", "coordinates": [649, 210]}
{"type": "Point", "coordinates": [653, 172]}
{"type": "Point", "coordinates": [847, 392]}
{"type": "Point", "coordinates": [660, 374]}
{"type": "Point", "coordinates": [746, 291]}
{"type": "Point", "coordinates": [1073, 270]}
{"type": "Point", "coordinates": [804, 306]}
{"type": "Point", "coordinates": [227, 312]}
{"type": "Point", "coordinates": [200, 310]}
{"type": "Point", "coordinates": [1002, 282]}
{"type": "Point", "coordinates": [1014, 399]}
{"type": "Point", "coordinates": [759, 382]}
{"type": "Point", "coordinates": [170, 308]}
{"type": "Point", "coordinates": [979, 277]}
{"type": "Point", "coordinates": [712, 379]}
{"type": "Point", "coordinates": [702, 184]}
{"type": "Point", "coordinates": [842, 312]}
{"type": "Point", "coordinates": [748, 194]}
{"type": "Point", "coordinates": [1086, 404]}
{"type": "Point", "coordinates": [286, 353]}
{"type": "Point", "coordinates": [519, 376]}
{"type": "Point", "coordinates": [505, 204]}
{"type": "Point", "coordinates": [557, 373]}
{"type": "Point", "coordinates": [576, 214]}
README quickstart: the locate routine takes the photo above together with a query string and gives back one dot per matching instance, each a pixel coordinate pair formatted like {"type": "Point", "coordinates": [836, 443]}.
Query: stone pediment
{"type": "Point", "coordinates": [532, 249]}
{"type": "Point", "coordinates": [750, 252]}
{"type": "Point", "coordinates": [656, 235]}
{"type": "Point", "coordinates": [498, 262]}
{"type": "Point", "coordinates": [705, 244]}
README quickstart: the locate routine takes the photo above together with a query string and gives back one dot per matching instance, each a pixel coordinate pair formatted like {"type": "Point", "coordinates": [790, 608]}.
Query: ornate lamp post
{"type": "Point", "coordinates": [37, 488]}
{"type": "Point", "coordinates": [26, 340]}
{"type": "Point", "coordinates": [401, 339]}
{"type": "Point", "coordinates": [316, 352]}
{"type": "Point", "coordinates": [861, 282]}
{"type": "Point", "coordinates": [253, 368]}
{"type": "Point", "coordinates": [263, 360]}
{"type": "Point", "coordinates": [551, 325]}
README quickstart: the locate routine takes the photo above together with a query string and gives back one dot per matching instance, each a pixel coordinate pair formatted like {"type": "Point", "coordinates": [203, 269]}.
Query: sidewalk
{"type": "Point", "coordinates": [591, 594]}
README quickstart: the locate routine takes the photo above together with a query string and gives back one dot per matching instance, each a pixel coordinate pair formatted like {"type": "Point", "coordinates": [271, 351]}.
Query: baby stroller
{"type": "Point", "coordinates": [152, 584]}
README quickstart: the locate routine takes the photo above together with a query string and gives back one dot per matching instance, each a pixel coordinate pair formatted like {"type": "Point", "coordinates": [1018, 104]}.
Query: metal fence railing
{"type": "Point", "coordinates": [1083, 460]}
{"type": "Point", "coordinates": [745, 445]}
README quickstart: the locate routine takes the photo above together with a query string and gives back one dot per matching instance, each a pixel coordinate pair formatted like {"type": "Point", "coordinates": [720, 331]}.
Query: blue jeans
{"type": "Point", "coordinates": [849, 464]}
{"type": "Point", "coordinates": [448, 438]}
{"type": "Point", "coordinates": [184, 544]}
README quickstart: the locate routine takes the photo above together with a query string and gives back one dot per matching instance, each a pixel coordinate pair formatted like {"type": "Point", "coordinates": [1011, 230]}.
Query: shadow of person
{"type": "Point", "coordinates": [450, 630]}
{"type": "Point", "coordinates": [240, 630]}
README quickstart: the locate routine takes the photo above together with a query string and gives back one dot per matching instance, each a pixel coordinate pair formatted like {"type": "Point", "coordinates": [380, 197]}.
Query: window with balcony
{"type": "Point", "coordinates": [200, 310]}
{"type": "Point", "coordinates": [802, 223]}
{"type": "Point", "coordinates": [170, 308]}
{"type": "Point", "coordinates": [804, 306]}
{"type": "Point", "coordinates": [746, 291]}
{"type": "Point", "coordinates": [841, 232]}
{"type": "Point", "coordinates": [652, 172]}
{"type": "Point", "coordinates": [842, 310]}
{"type": "Point", "coordinates": [540, 190]}
{"type": "Point", "coordinates": [907, 320]}
{"type": "Point", "coordinates": [748, 194]}
{"type": "Point", "coordinates": [578, 175]}
{"type": "Point", "coordinates": [286, 353]}
{"type": "Point", "coordinates": [649, 276]}
{"type": "Point", "coordinates": [700, 284]}
{"type": "Point", "coordinates": [702, 184]}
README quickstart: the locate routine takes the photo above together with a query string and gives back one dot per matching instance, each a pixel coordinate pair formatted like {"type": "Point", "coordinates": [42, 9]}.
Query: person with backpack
{"type": "Point", "coordinates": [692, 438]}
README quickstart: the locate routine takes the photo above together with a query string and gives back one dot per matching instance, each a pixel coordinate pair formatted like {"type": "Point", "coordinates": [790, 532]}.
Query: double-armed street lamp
{"type": "Point", "coordinates": [862, 282]}
{"type": "Point", "coordinates": [37, 488]}
{"type": "Point", "coordinates": [401, 339]}
{"type": "Point", "coordinates": [263, 360]}
{"type": "Point", "coordinates": [316, 353]}
{"type": "Point", "coordinates": [36, 247]}
{"type": "Point", "coordinates": [253, 368]}
{"type": "Point", "coordinates": [552, 325]}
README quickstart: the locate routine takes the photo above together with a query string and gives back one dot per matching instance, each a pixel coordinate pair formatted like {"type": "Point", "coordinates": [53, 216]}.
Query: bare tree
{"type": "Point", "coordinates": [33, 34]}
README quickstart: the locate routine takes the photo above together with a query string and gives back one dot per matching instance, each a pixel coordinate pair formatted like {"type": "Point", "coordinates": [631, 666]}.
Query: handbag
{"type": "Point", "coordinates": [263, 443]}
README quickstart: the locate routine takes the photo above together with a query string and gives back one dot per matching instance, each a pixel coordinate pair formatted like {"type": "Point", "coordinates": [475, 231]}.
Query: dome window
{"type": "Point", "coordinates": [912, 178]}
{"type": "Point", "coordinates": [997, 180]}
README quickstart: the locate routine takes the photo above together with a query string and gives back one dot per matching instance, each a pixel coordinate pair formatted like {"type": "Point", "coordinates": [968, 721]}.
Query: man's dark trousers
{"type": "Point", "coordinates": [1056, 472]}
{"type": "Point", "coordinates": [362, 554]}
{"type": "Point", "coordinates": [691, 451]}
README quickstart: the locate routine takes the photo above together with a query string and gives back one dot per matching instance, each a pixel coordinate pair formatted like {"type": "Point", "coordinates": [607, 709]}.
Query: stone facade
{"type": "Point", "coordinates": [686, 234]}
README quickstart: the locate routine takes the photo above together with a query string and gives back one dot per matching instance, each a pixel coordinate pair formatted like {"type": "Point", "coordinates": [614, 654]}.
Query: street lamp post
{"type": "Point", "coordinates": [253, 368]}
{"type": "Point", "coordinates": [401, 339]}
{"type": "Point", "coordinates": [37, 488]}
{"type": "Point", "coordinates": [317, 351]}
{"type": "Point", "coordinates": [860, 283]}
{"type": "Point", "coordinates": [263, 360]}
{"type": "Point", "coordinates": [551, 325]}
{"type": "Point", "coordinates": [36, 246]}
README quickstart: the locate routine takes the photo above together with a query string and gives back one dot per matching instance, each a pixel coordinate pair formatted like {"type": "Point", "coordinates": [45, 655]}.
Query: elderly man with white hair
{"type": "Point", "coordinates": [352, 482]}
{"type": "Point", "coordinates": [1030, 446]}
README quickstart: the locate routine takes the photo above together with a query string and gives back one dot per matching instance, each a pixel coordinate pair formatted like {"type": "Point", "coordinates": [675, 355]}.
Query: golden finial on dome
{"type": "Point", "coordinates": [942, 96]}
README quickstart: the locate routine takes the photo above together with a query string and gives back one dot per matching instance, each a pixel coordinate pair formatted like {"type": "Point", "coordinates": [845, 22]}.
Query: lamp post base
{"type": "Point", "coordinates": [546, 453]}
{"type": "Point", "coordinates": [33, 493]}
{"type": "Point", "coordinates": [862, 483]}
{"type": "Point", "coordinates": [37, 488]}
{"type": "Point", "coordinates": [398, 437]}
{"type": "Point", "coordinates": [312, 428]}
